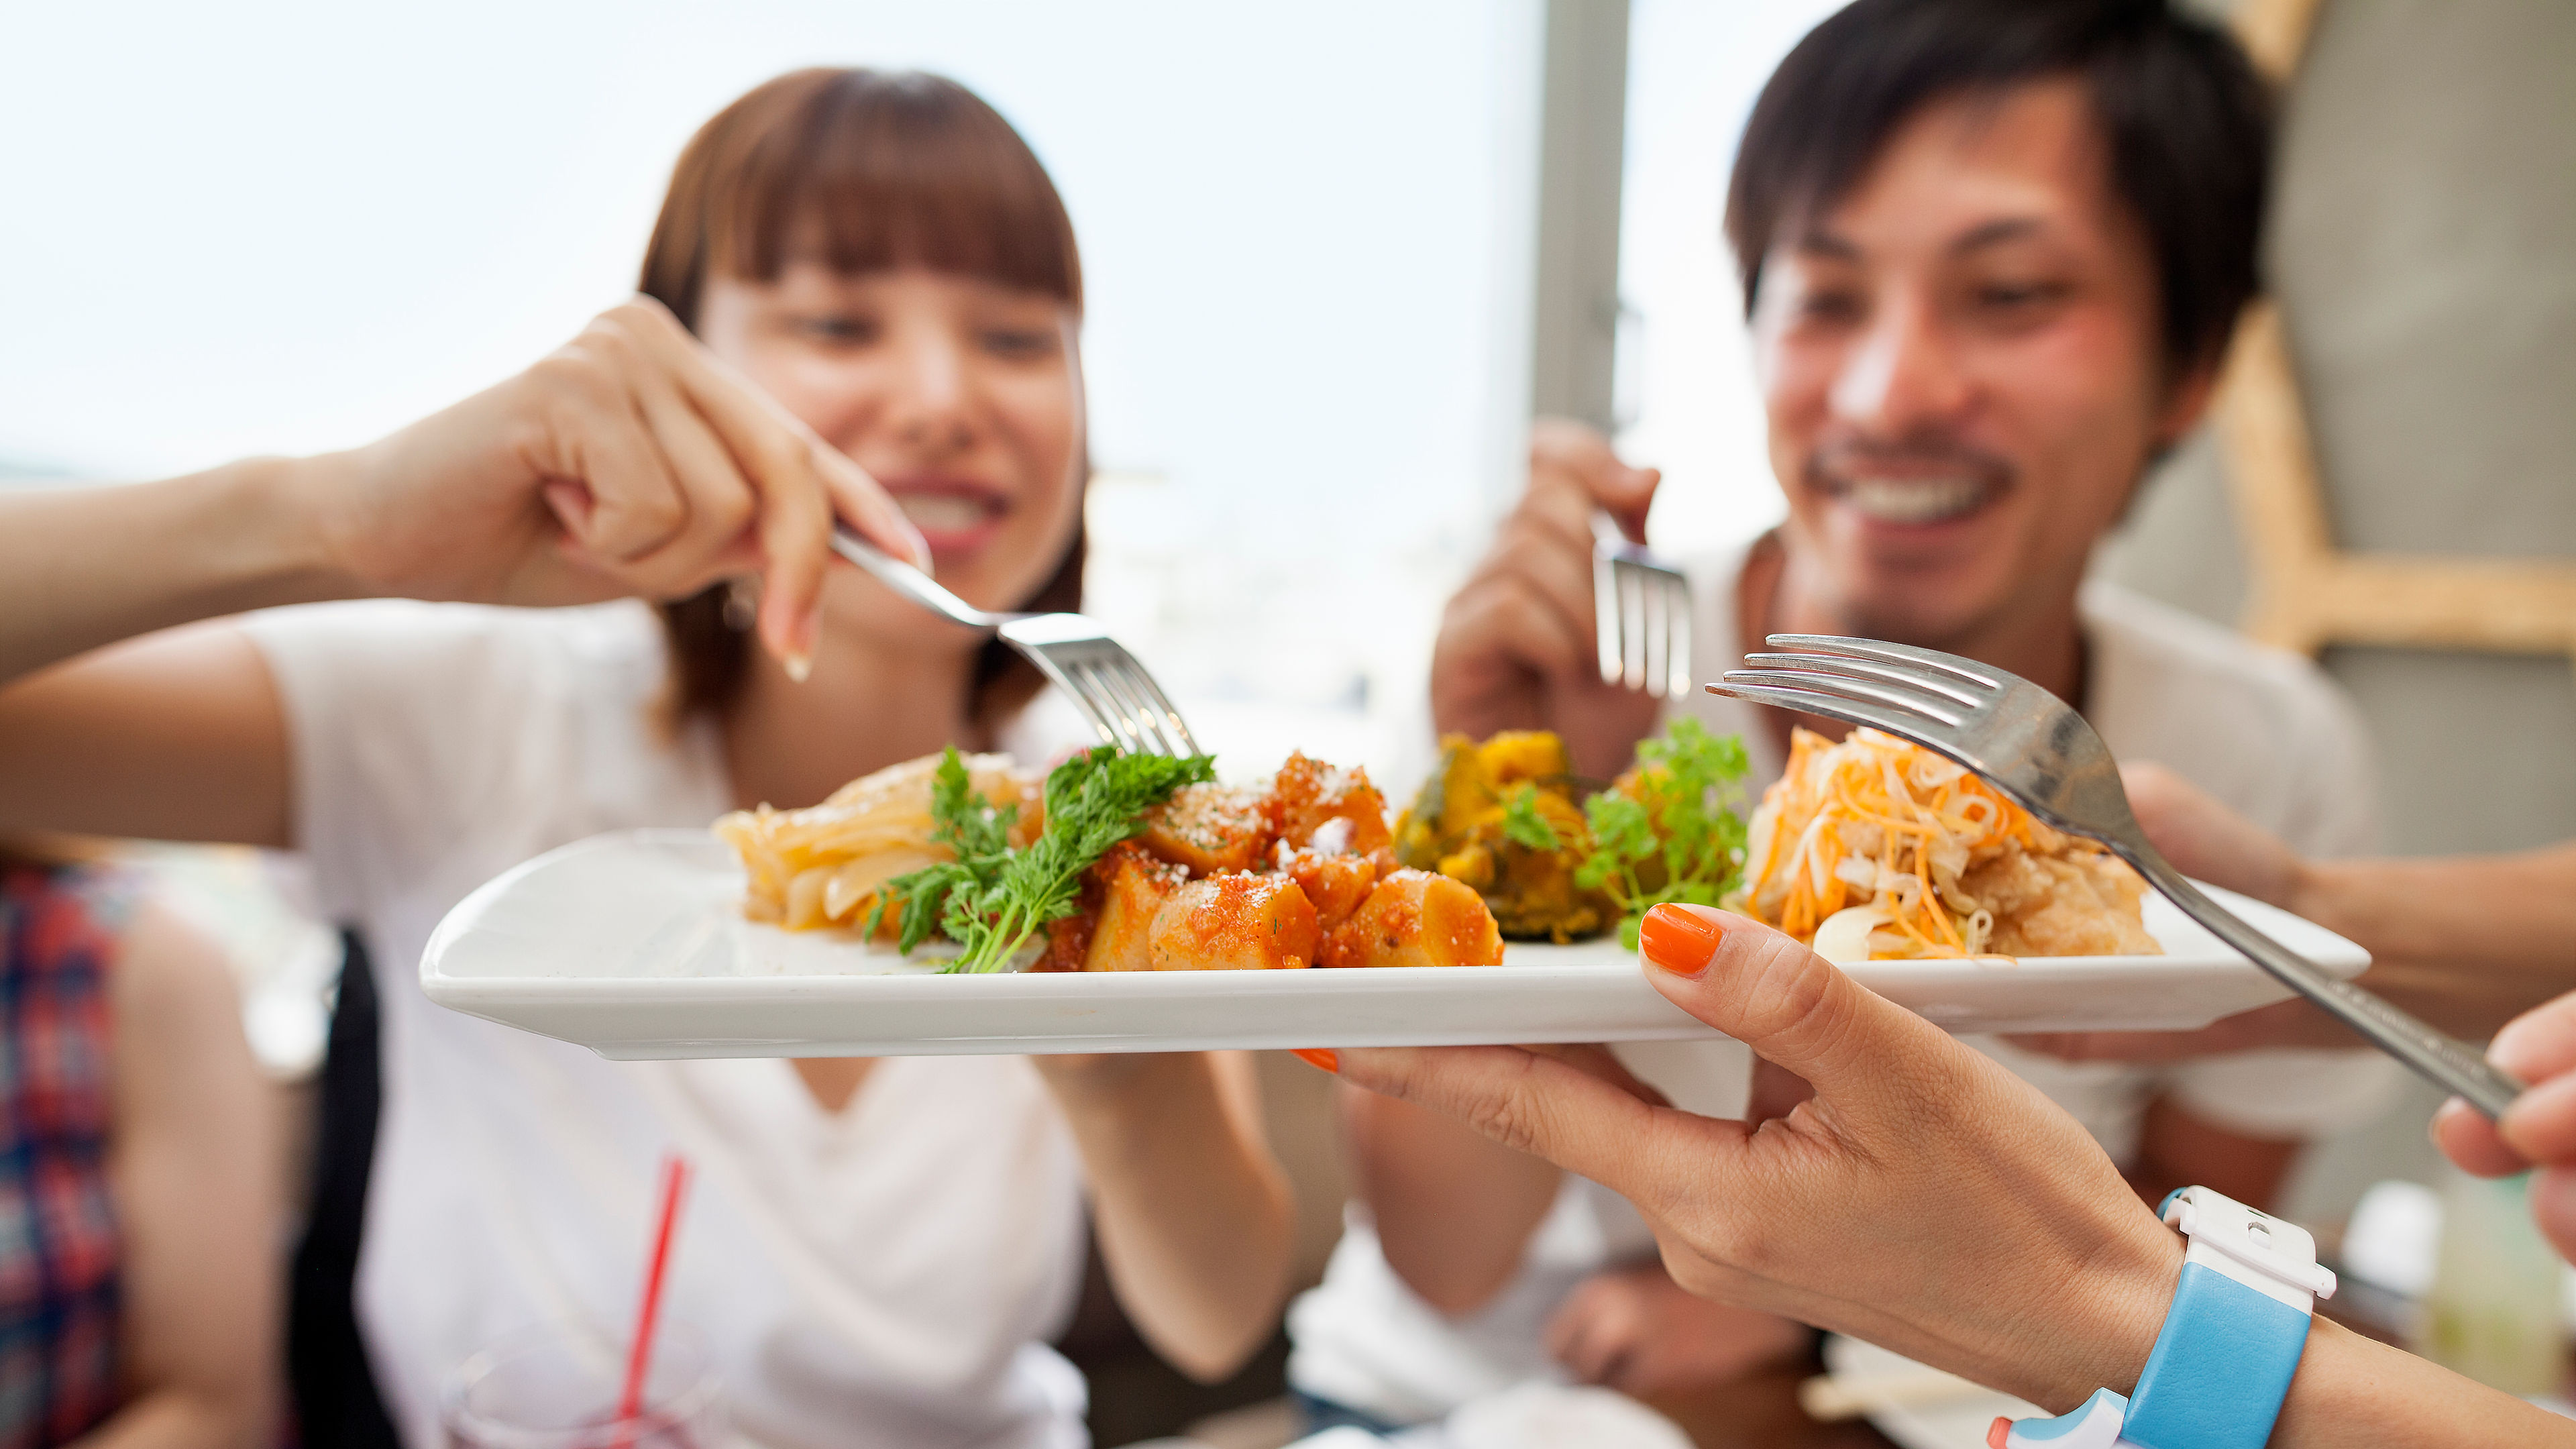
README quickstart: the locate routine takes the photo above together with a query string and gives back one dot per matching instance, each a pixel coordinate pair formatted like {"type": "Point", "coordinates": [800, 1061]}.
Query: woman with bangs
{"type": "Point", "coordinates": [879, 1250]}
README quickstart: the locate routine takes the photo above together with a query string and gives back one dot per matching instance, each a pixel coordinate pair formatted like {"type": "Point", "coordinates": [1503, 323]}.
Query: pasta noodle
{"type": "Point", "coordinates": [821, 866]}
{"type": "Point", "coordinates": [1876, 849]}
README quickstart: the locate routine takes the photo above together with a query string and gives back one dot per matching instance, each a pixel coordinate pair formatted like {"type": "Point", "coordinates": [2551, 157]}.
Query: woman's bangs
{"type": "Point", "coordinates": [894, 171]}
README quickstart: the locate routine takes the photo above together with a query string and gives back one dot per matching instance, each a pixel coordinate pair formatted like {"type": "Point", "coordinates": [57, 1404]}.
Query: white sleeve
{"type": "Point", "coordinates": [2287, 1092]}
{"type": "Point", "coordinates": [398, 718]}
{"type": "Point", "coordinates": [2333, 807]}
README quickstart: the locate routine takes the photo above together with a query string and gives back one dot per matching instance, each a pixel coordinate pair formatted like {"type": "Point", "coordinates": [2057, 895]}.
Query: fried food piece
{"type": "Point", "coordinates": [1133, 887]}
{"type": "Point", "coordinates": [1457, 826]}
{"type": "Point", "coordinates": [1335, 883]}
{"type": "Point", "coordinates": [2079, 904]}
{"type": "Point", "coordinates": [1416, 918]}
{"type": "Point", "coordinates": [1209, 828]}
{"type": "Point", "coordinates": [1309, 797]}
{"type": "Point", "coordinates": [1235, 922]}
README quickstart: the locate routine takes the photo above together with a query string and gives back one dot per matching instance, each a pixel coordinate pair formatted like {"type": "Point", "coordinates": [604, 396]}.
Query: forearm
{"type": "Point", "coordinates": [177, 1418]}
{"type": "Point", "coordinates": [2467, 943]}
{"type": "Point", "coordinates": [1454, 1210]}
{"type": "Point", "coordinates": [83, 567]}
{"type": "Point", "coordinates": [1193, 1215]}
{"type": "Point", "coordinates": [2354, 1390]}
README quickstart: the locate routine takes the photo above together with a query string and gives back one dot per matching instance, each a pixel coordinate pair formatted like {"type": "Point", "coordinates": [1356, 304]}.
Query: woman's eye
{"type": "Point", "coordinates": [836, 331]}
{"type": "Point", "coordinates": [1019, 342]}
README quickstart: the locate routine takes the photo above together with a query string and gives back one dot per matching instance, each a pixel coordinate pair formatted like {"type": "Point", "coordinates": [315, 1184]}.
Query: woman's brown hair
{"type": "Point", "coordinates": [888, 169]}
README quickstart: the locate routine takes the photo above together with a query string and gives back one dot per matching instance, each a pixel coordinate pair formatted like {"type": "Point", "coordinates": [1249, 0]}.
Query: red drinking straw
{"type": "Point", "coordinates": [639, 1355]}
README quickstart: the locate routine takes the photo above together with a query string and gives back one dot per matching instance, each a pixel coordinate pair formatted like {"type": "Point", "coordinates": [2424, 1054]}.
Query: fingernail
{"type": "Point", "coordinates": [1320, 1058]}
{"type": "Point", "coordinates": [799, 666]}
{"type": "Point", "coordinates": [2521, 1053]}
{"type": "Point", "coordinates": [1677, 940]}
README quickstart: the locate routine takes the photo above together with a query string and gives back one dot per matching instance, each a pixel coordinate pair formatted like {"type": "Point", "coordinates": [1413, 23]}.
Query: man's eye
{"type": "Point", "coordinates": [837, 331]}
{"type": "Point", "coordinates": [1831, 306]}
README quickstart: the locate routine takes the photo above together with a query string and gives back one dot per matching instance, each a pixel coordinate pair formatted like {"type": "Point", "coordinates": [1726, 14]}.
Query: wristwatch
{"type": "Point", "coordinates": [2230, 1342]}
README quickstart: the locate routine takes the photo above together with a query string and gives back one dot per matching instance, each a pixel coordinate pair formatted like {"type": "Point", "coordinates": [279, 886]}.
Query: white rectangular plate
{"type": "Point", "coordinates": [634, 945]}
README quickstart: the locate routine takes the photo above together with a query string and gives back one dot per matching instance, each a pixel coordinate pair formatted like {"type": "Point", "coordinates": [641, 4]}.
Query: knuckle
{"type": "Point", "coordinates": [1510, 1118]}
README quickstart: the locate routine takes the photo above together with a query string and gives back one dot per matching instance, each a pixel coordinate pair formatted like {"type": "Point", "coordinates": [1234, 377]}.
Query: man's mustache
{"type": "Point", "coordinates": [1922, 454]}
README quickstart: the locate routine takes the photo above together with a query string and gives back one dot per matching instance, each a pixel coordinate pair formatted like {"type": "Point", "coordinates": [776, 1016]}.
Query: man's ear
{"type": "Point", "coordinates": [2186, 402]}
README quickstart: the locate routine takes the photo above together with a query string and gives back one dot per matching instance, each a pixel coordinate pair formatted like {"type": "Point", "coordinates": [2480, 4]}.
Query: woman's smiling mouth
{"type": "Point", "coordinates": [955, 515]}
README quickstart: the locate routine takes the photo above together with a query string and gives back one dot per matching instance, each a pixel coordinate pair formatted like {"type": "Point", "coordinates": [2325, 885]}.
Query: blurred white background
{"type": "Point", "coordinates": [1308, 235]}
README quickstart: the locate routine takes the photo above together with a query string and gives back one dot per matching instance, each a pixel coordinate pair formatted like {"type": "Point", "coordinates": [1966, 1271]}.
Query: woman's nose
{"type": "Point", "coordinates": [1903, 376]}
{"type": "Point", "coordinates": [930, 400]}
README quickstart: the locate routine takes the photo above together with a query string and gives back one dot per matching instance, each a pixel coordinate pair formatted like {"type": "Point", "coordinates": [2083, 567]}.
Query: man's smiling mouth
{"type": "Point", "coordinates": [1913, 501]}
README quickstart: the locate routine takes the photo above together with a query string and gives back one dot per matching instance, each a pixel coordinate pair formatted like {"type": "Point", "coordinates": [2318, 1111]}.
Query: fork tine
{"type": "Point", "coordinates": [1132, 735]}
{"type": "Point", "coordinates": [1125, 677]}
{"type": "Point", "coordinates": [1903, 723]}
{"type": "Point", "coordinates": [1632, 626]}
{"type": "Point", "coordinates": [1677, 637]}
{"type": "Point", "coordinates": [1837, 664]}
{"type": "Point", "coordinates": [1167, 718]}
{"type": "Point", "coordinates": [1940, 711]}
{"type": "Point", "coordinates": [1605, 614]}
{"type": "Point", "coordinates": [1949, 665]}
{"type": "Point", "coordinates": [1652, 600]}
{"type": "Point", "coordinates": [1106, 710]}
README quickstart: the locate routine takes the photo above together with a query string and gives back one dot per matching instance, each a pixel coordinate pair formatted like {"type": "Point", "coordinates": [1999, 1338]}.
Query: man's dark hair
{"type": "Point", "coordinates": [2187, 123]}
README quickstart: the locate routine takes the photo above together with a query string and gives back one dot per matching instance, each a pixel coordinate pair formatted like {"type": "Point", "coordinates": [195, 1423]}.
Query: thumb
{"type": "Point", "coordinates": [1627, 494]}
{"type": "Point", "coordinates": [1790, 1005]}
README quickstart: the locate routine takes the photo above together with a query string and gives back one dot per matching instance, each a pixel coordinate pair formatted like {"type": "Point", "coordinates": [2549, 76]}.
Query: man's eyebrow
{"type": "Point", "coordinates": [2010, 228]}
{"type": "Point", "coordinates": [1826, 244]}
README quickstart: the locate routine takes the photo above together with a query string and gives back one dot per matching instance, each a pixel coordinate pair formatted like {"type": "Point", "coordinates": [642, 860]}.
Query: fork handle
{"type": "Point", "coordinates": [908, 581]}
{"type": "Point", "coordinates": [2434, 1056]}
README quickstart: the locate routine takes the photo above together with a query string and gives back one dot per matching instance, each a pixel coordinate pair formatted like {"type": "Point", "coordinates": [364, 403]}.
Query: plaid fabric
{"type": "Point", "coordinates": [58, 1237]}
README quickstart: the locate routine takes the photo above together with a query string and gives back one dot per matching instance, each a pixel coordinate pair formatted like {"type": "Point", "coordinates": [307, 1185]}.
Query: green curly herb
{"type": "Point", "coordinates": [991, 900]}
{"type": "Point", "coordinates": [1524, 825]}
{"type": "Point", "coordinates": [1674, 835]}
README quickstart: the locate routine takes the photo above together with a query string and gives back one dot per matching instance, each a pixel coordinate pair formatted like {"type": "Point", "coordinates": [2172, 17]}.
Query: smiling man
{"type": "Point", "coordinates": [1992, 251]}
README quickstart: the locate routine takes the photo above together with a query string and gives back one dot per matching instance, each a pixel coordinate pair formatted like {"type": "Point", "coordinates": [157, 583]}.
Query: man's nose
{"type": "Point", "coordinates": [1903, 376]}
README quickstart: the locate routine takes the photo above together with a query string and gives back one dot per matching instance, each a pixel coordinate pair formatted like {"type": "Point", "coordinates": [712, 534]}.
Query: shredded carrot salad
{"type": "Point", "coordinates": [1877, 822]}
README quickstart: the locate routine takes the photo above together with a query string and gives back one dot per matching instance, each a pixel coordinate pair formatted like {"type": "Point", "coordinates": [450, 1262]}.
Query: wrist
{"type": "Point", "coordinates": [305, 504]}
{"type": "Point", "coordinates": [257, 524]}
{"type": "Point", "coordinates": [2112, 1329]}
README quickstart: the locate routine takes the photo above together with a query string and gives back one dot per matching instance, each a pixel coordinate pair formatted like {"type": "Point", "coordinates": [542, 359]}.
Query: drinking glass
{"type": "Point", "coordinates": [556, 1387]}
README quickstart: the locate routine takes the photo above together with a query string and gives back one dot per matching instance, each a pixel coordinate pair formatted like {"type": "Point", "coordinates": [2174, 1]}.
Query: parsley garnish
{"type": "Point", "coordinates": [992, 899]}
{"type": "Point", "coordinates": [1671, 835]}
{"type": "Point", "coordinates": [1523, 824]}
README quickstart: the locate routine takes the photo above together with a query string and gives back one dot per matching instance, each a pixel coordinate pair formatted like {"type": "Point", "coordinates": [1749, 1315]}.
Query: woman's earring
{"type": "Point", "coordinates": [742, 603]}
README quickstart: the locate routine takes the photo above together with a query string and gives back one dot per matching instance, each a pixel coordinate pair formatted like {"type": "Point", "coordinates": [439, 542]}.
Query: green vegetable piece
{"type": "Point", "coordinates": [1523, 825]}
{"type": "Point", "coordinates": [1687, 826]}
{"type": "Point", "coordinates": [1093, 801]}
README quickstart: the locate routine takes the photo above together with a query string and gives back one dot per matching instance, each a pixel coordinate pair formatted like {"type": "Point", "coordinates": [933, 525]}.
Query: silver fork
{"type": "Point", "coordinates": [1125, 704]}
{"type": "Point", "coordinates": [1641, 612]}
{"type": "Point", "coordinates": [2041, 753]}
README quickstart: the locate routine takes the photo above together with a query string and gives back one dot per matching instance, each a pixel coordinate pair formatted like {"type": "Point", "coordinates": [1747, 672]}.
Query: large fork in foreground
{"type": "Point", "coordinates": [2031, 746]}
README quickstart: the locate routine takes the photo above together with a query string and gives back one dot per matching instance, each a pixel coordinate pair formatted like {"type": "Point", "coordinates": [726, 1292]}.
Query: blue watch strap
{"type": "Point", "coordinates": [2220, 1368]}
{"type": "Point", "coordinates": [2231, 1341]}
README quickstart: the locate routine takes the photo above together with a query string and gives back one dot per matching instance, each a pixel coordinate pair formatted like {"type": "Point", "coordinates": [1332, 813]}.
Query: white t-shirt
{"type": "Point", "coordinates": [888, 1274]}
{"type": "Point", "coordinates": [2262, 730]}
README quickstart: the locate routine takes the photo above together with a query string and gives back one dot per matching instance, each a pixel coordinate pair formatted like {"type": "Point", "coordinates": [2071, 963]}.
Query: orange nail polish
{"type": "Point", "coordinates": [1679, 941]}
{"type": "Point", "coordinates": [1320, 1058]}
